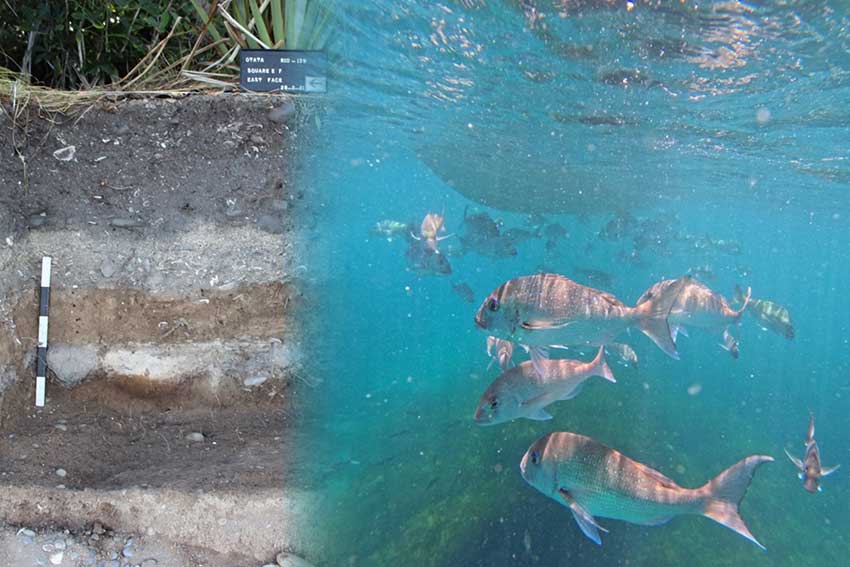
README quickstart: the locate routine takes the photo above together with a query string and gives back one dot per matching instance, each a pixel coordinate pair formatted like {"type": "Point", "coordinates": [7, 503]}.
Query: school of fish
{"type": "Point", "coordinates": [546, 311]}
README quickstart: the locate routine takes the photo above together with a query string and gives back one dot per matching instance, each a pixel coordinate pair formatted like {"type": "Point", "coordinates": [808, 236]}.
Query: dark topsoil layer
{"type": "Point", "coordinates": [161, 162]}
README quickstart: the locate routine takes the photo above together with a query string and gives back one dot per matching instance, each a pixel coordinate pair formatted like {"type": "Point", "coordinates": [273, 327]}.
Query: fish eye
{"type": "Point", "coordinates": [494, 403]}
{"type": "Point", "coordinates": [493, 304]}
{"type": "Point", "coordinates": [535, 457]}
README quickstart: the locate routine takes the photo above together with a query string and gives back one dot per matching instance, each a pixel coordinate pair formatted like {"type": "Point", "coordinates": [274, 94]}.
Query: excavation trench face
{"type": "Point", "coordinates": [151, 391]}
{"type": "Point", "coordinates": [172, 334]}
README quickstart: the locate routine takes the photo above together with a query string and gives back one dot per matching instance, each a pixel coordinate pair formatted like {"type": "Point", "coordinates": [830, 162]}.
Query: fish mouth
{"type": "Point", "coordinates": [481, 417]}
{"type": "Point", "coordinates": [522, 465]}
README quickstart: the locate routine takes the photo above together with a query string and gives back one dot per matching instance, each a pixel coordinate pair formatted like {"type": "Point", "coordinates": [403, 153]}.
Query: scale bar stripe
{"type": "Point", "coordinates": [41, 352]}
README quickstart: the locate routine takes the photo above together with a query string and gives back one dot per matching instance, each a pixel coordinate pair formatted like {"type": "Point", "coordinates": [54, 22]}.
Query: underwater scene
{"type": "Point", "coordinates": [582, 269]}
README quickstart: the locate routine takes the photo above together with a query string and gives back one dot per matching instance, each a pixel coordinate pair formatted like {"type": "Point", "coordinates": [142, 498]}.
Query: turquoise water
{"type": "Point", "coordinates": [725, 122]}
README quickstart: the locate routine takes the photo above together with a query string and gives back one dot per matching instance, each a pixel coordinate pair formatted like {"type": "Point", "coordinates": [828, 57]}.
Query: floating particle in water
{"type": "Point", "coordinates": [646, 386]}
{"type": "Point", "coordinates": [410, 379]}
{"type": "Point", "coordinates": [694, 389]}
{"type": "Point", "coordinates": [474, 376]}
{"type": "Point", "coordinates": [680, 468]}
{"type": "Point", "coordinates": [368, 396]}
{"type": "Point", "coordinates": [498, 468]}
{"type": "Point", "coordinates": [408, 290]}
{"type": "Point", "coordinates": [762, 116]}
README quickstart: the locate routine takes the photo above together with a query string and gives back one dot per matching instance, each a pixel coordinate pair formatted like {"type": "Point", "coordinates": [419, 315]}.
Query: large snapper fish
{"type": "Point", "coordinates": [593, 480]}
{"type": "Point", "coordinates": [551, 310]}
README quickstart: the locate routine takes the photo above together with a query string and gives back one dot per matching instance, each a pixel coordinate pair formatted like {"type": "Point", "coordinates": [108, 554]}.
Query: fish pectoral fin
{"type": "Point", "coordinates": [542, 400]}
{"type": "Point", "coordinates": [797, 462]}
{"type": "Point", "coordinates": [829, 470]}
{"type": "Point", "coordinates": [544, 324]}
{"type": "Point", "coordinates": [585, 521]}
{"type": "Point", "coordinates": [539, 414]}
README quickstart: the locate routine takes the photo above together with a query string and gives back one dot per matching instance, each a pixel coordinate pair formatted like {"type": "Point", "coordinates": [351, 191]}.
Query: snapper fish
{"type": "Point", "coordinates": [770, 316]}
{"type": "Point", "coordinates": [484, 235]}
{"type": "Point", "coordinates": [500, 351]}
{"type": "Point", "coordinates": [464, 291]}
{"type": "Point", "coordinates": [429, 231]}
{"type": "Point", "coordinates": [700, 307]}
{"type": "Point", "coordinates": [421, 259]}
{"type": "Point", "coordinates": [549, 309]}
{"type": "Point", "coordinates": [391, 229]}
{"type": "Point", "coordinates": [593, 480]}
{"type": "Point", "coordinates": [625, 353]}
{"type": "Point", "coordinates": [522, 392]}
{"type": "Point", "coordinates": [810, 467]}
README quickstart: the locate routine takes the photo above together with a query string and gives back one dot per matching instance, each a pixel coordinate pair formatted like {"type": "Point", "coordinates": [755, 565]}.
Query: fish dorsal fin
{"type": "Point", "coordinates": [829, 470]}
{"type": "Point", "coordinates": [611, 298]}
{"type": "Point", "coordinates": [585, 521]}
{"type": "Point", "coordinates": [797, 462]}
{"type": "Point", "coordinates": [661, 479]}
{"type": "Point", "coordinates": [544, 324]}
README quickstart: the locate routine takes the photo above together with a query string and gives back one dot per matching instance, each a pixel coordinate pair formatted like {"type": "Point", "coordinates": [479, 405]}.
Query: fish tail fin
{"type": "Point", "coordinates": [724, 493]}
{"type": "Point", "coordinates": [746, 300]}
{"type": "Point", "coordinates": [600, 366]}
{"type": "Point", "coordinates": [653, 313]}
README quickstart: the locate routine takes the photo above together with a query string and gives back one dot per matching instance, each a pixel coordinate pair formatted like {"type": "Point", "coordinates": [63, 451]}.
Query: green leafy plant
{"type": "Point", "coordinates": [89, 43]}
{"type": "Point", "coordinates": [271, 24]}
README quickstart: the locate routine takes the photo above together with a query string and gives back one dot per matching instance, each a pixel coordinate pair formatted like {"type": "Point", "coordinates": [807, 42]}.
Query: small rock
{"type": "Point", "coordinates": [98, 528]}
{"type": "Point", "coordinates": [107, 268]}
{"type": "Point", "coordinates": [61, 427]}
{"type": "Point", "coordinates": [26, 532]}
{"type": "Point", "coordinates": [59, 544]}
{"type": "Point", "coordinates": [123, 129]}
{"type": "Point", "coordinates": [271, 223]}
{"type": "Point", "coordinates": [127, 552]}
{"type": "Point", "coordinates": [65, 154]}
{"type": "Point", "coordinates": [37, 220]}
{"type": "Point", "coordinates": [231, 209]}
{"type": "Point", "coordinates": [125, 223]}
{"type": "Point", "coordinates": [56, 558]}
{"type": "Point", "coordinates": [112, 563]}
{"type": "Point", "coordinates": [255, 380]}
{"type": "Point", "coordinates": [195, 436]}
{"type": "Point", "coordinates": [71, 363]}
{"type": "Point", "coordinates": [61, 473]}
{"type": "Point", "coordinates": [282, 113]}
{"type": "Point", "coordinates": [257, 139]}
{"type": "Point", "coordinates": [286, 559]}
